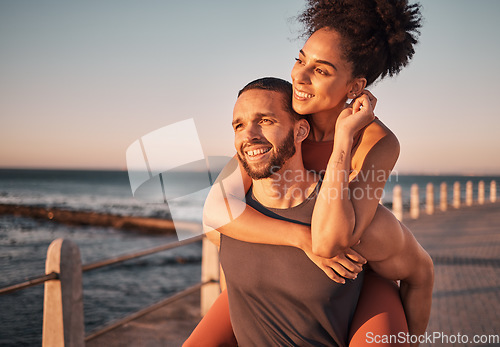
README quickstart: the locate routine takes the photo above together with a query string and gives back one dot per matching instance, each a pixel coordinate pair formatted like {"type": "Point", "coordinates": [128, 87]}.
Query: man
{"type": "Point", "coordinates": [266, 284]}
{"type": "Point", "coordinates": [277, 296]}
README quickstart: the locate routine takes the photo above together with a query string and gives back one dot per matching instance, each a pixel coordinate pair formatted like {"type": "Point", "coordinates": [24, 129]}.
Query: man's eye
{"type": "Point", "coordinates": [267, 121]}
{"type": "Point", "coordinates": [237, 126]}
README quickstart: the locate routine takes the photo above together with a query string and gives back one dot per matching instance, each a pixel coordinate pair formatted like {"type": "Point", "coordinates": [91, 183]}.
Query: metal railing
{"type": "Point", "coordinates": [63, 308]}
{"type": "Point", "coordinates": [31, 282]}
{"type": "Point", "coordinates": [415, 199]}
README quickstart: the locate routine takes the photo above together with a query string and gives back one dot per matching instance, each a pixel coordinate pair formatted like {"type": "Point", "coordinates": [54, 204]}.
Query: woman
{"type": "Point", "coordinates": [351, 44]}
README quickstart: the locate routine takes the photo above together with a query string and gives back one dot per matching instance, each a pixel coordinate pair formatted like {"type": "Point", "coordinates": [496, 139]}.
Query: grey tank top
{"type": "Point", "coordinates": [278, 296]}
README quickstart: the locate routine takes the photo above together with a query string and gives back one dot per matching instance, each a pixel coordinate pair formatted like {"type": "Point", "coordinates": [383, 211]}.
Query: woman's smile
{"type": "Point", "coordinates": [301, 95]}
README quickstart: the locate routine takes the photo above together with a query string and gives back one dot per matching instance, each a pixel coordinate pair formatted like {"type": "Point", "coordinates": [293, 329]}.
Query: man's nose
{"type": "Point", "coordinates": [252, 132]}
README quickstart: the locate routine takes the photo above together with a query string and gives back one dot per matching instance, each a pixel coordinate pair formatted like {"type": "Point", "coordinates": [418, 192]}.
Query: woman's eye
{"type": "Point", "coordinates": [320, 71]}
{"type": "Point", "coordinates": [298, 61]}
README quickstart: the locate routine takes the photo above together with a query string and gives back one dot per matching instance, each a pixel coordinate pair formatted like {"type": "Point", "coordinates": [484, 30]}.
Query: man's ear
{"type": "Point", "coordinates": [357, 87]}
{"type": "Point", "coordinates": [301, 130]}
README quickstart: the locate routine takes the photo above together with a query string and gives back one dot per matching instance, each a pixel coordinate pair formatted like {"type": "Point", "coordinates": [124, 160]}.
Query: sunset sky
{"type": "Point", "coordinates": [80, 81]}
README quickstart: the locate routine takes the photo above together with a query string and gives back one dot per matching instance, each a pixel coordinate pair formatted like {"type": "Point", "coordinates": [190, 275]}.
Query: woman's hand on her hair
{"type": "Point", "coordinates": [371, 97]}
{"type": "Point", "coordinates": [357, 115]}
{"type": "Point", "coordinates": [343, 266]}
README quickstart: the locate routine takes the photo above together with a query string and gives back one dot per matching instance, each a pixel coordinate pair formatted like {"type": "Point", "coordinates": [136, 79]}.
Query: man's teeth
{"type": "Point", "coordinates": [303, 95]}
{"type": "Point", "coordinates": [258, 151]}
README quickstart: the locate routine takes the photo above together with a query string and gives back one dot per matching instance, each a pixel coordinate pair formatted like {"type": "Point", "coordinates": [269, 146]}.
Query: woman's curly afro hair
{"type": "Point", "coordinates": [378, 36]}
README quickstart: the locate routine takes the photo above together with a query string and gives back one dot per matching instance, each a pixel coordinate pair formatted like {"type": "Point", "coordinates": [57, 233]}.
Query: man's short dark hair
{"type": "Point", "coordinates": [275, 85]}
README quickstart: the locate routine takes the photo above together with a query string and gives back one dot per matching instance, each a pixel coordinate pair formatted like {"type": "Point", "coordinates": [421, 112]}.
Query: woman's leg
{"type": "Point", "coordinates": [215, 328]}
{"type": "Point", "coordinates": [379, 315]}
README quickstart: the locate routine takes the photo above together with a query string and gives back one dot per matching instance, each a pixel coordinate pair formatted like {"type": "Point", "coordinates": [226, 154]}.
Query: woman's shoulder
{"type": "Point", "coordinates": [377, 131]}
{"type": "Point", "coordinates": [379, 141]}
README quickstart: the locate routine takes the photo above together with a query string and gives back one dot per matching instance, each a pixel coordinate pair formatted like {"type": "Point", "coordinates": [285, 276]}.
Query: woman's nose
{"type": "Point", "coordinates": [300, 74]}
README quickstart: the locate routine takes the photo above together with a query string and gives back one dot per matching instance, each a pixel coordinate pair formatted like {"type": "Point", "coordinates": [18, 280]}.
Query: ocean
{"type": "Point", "coordinates": [112, 292]}
{"type": "Point", "coordinates": [109, 293]}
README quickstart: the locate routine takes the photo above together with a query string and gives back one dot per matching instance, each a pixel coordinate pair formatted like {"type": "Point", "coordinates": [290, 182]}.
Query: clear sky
{"type": "Point", "coordinates": [82, 80]}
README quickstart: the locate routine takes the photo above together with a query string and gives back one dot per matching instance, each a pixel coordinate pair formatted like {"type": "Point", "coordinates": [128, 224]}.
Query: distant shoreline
{"type": "Point", "coordinates": [396, 172]}
{"type": "Point", "coordinates": [80, 218]}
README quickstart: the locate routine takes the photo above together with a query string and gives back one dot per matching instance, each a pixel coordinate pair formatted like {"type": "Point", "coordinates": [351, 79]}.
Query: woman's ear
{"type": "Point", "coordinates": [301, 130]}
{"type": "Point", "coordinates": [357, 87]}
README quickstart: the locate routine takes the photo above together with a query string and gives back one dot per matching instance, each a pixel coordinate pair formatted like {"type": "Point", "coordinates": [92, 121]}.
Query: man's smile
{"type": "Point", "coordinates": [256, 153]}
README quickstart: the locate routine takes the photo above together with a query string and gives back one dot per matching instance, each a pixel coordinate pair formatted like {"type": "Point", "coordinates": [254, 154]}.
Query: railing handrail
{"type": "Point", "coordinates": [30, 282]}
{"type": "Point", "coordinates": [139, 254]}
{"type": "Point", "coordinates": [34, 281]}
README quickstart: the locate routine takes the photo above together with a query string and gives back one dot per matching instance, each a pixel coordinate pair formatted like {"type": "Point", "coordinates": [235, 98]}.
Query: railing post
{"type": "Point", "coordinates": [63, 297]}
{"type": "Point", "coordinates": [414, 202]}
{"type": "Point", "coordinates": [456, 195]}
{"type": "Point", "coordinates": [480, 193]}
{"type": "Point", "coordinates": [397, 202]}
{"type": "Point", "coordinates": [493, 191]}
{"type": "Point", "coordinates": [209, 271]}
{"type": "Point", "coordinates": [468, 193]}
{"type": "Point", "coordinates": [443, 196]}
{"type": "Point", "coordinates": [429, 199]}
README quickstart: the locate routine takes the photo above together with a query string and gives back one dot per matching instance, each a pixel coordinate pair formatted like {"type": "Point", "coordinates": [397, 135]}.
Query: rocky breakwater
{"type": "Point", "coordinates": [80, 218]}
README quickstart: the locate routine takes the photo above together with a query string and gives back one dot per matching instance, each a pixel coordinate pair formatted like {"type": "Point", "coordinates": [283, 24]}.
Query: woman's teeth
{"type": "Point", "coordinates": [303, 95]}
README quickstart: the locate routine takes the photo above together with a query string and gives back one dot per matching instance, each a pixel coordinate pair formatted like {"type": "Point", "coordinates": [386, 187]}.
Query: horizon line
{"type": "Point", "coordinates": [397, 172]}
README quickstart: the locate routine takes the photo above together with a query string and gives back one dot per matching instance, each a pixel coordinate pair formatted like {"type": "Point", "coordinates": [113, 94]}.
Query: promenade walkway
{"type": "Point", "coordinates": [465, 246]}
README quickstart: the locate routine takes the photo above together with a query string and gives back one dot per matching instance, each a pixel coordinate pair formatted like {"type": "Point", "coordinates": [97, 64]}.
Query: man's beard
{"type": "Point", "coordinates": [284, 152]}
